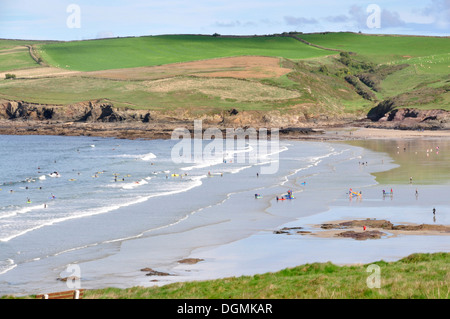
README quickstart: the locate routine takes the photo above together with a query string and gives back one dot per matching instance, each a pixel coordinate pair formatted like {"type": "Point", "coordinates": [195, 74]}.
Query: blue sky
{"type": "Point", "coordinates": [51, 19]}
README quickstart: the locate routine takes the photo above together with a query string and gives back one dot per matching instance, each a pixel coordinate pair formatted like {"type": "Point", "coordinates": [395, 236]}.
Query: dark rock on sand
{"type": "Point", "coordinates": [384, 224]}
{"type": "Point", "coordinates": [360, 223]}
{"type": "Point", "coordinates": [372, 234]}
{"type": "Point", "coordinates": [280, 232]}
{"type": "Point", "coordinates": [151, 272]}
{"type": "Point", "coordinates": [190, 260]}
{"type": "Point", "coordinates": [286, 230]}
{"type": "Point", "coordinates": [291, 230]}
{"type": "Point", "coordinates": [68, 278]}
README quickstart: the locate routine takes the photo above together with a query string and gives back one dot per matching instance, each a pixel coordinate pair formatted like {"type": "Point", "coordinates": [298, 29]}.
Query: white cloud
{"type": "Point", "coordinates": [138, 17]}
{"type": "Point", "coordinates": [298, 21]}
{"type": "Point", "coordinates": [439, 12]}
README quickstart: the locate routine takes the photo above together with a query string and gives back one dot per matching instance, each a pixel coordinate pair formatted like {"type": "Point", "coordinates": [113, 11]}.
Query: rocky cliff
{"type": "Point", "coordinates": [410, 118]}
{"type": "Point", "coordinates": [98, 118]}
{"type": "Point", "coordinates": [103, 119]}
{"type": "Point", "coordinates": [80, 112]}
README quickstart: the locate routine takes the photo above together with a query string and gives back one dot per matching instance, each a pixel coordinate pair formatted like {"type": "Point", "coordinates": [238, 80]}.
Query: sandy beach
{"type": "Point", "coordinates": [261, 250]}
{"type": "Point", "coordinates": [234, 234]}
{"type": "Point", "coordinates": [356, 133]}
{"type": "Point", "coordinates": [305, 242]}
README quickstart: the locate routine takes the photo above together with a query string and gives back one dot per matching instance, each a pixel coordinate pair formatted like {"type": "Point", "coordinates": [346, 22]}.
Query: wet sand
{"type": "Point", "coordinates": [267, 250]}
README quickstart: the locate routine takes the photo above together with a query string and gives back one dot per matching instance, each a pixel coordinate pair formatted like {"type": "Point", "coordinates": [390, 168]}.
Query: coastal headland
{"type": "Point", "coordinates": [299, 83]}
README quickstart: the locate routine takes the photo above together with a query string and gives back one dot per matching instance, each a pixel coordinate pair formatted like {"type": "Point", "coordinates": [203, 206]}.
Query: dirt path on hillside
{"type": "Point", "coordinates": [39, 72]}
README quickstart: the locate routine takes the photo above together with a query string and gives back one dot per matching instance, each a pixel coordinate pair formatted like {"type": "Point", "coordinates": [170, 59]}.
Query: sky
{"type": "Point", "coordinates": [68, 20]}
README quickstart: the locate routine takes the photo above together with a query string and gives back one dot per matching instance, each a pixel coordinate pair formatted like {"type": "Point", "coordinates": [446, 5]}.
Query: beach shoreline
{"type": "Point", "coordinates": [242, 255]}
{"type": "Point", "coordinates": [163, 130]}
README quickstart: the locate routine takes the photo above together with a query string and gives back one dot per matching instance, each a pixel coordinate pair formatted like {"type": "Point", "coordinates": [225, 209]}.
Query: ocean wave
{"type": "Point", "coordinates": [192, 182]}
{"type": "Point", "coordinates": [143, 157]}
{"type": "Point", "coordinates": [148, 157]}
{"type": "Point", "coordinates": [7, 265]}
{"type": "Point", "coordinates": [21, 181]}
{"type": "Point", "coordinates": [135, 184]}
{"type": "Point", "coordinates": [203, 164]}
{"type": "Point", "coordinates": [18, 211]}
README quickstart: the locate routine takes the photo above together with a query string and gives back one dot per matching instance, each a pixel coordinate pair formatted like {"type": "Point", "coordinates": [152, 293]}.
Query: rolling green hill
{"type": "Point", "coordinates": [157, 50]}
{"type": "Point", "coordinates": [14, 54]}
{"type": "Point", "coordinates": [382, 48]}
{"type": "Point", "coordinates": [361, 73]}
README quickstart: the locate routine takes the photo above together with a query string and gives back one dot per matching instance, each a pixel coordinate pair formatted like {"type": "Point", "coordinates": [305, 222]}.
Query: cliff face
{"type": "Point", "coordinates": [100, 112]}
{"type": "Point", "coordinates": [103, 119]}
{"type": "Point", "coordinates": [81, 112]}
{"type": "Point", "coordinates": [410, 118]}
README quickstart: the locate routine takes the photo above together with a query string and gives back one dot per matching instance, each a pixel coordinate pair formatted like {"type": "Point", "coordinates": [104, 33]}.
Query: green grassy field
{"type": "Point", "coordinates": [382, 49]}
{"type": "Point", "coordinates": [428, 59]}
{"type": "Point", "coordinates": [15, 55]}
{"type": "Point", "coordinates": [317, 76]}
{"type": "Point", "coordinates": [157, 50]}
{"type": "Point", "coordinates": [190, 93]}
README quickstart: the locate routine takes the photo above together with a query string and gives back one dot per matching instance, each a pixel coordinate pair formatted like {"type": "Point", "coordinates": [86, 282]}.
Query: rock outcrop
{"type": "Point", "coordinates": [80, 112]}
{"type": "Point", "coordinates": [99, 118]}
{"type": "Point", "coordinates": [408, 118]}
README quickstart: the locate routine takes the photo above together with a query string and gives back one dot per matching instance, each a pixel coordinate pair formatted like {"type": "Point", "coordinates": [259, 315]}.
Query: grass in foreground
{"type": "Point", "coordinates": [418, 276]}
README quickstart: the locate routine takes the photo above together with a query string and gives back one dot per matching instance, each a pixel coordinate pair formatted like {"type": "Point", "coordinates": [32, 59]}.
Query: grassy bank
{"type": "Point", "coordinates": [418, 276]}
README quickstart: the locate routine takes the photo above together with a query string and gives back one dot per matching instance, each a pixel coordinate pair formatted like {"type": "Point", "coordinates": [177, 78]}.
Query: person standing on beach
{"type": "Point", "coordinates": [434, 211]}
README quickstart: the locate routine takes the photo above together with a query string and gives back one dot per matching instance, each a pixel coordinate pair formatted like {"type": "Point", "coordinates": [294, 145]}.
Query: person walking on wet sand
{"type": "Point", "coordinates": [434, 211]}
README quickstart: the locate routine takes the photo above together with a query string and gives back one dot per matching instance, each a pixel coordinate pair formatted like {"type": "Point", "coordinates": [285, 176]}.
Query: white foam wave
{"type": "Point", "coordinates": [195, 182]}
{"type": "Point", "coordinates": [148, 156]}
{"type": "Point", "coordinates": [6, 266]}
{"type": "Point", "coordinates": [19, 211]}
{"type": "Point", "coordinates": [136, 183]}
{"type": "Point", "coordinates": [203, 164]}
{"type": "Point", "coordinates": [143, 157]}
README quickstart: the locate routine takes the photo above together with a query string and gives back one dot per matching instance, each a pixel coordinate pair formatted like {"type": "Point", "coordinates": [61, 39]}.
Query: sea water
{"type": "Point", "coordinates": [114, 206]}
